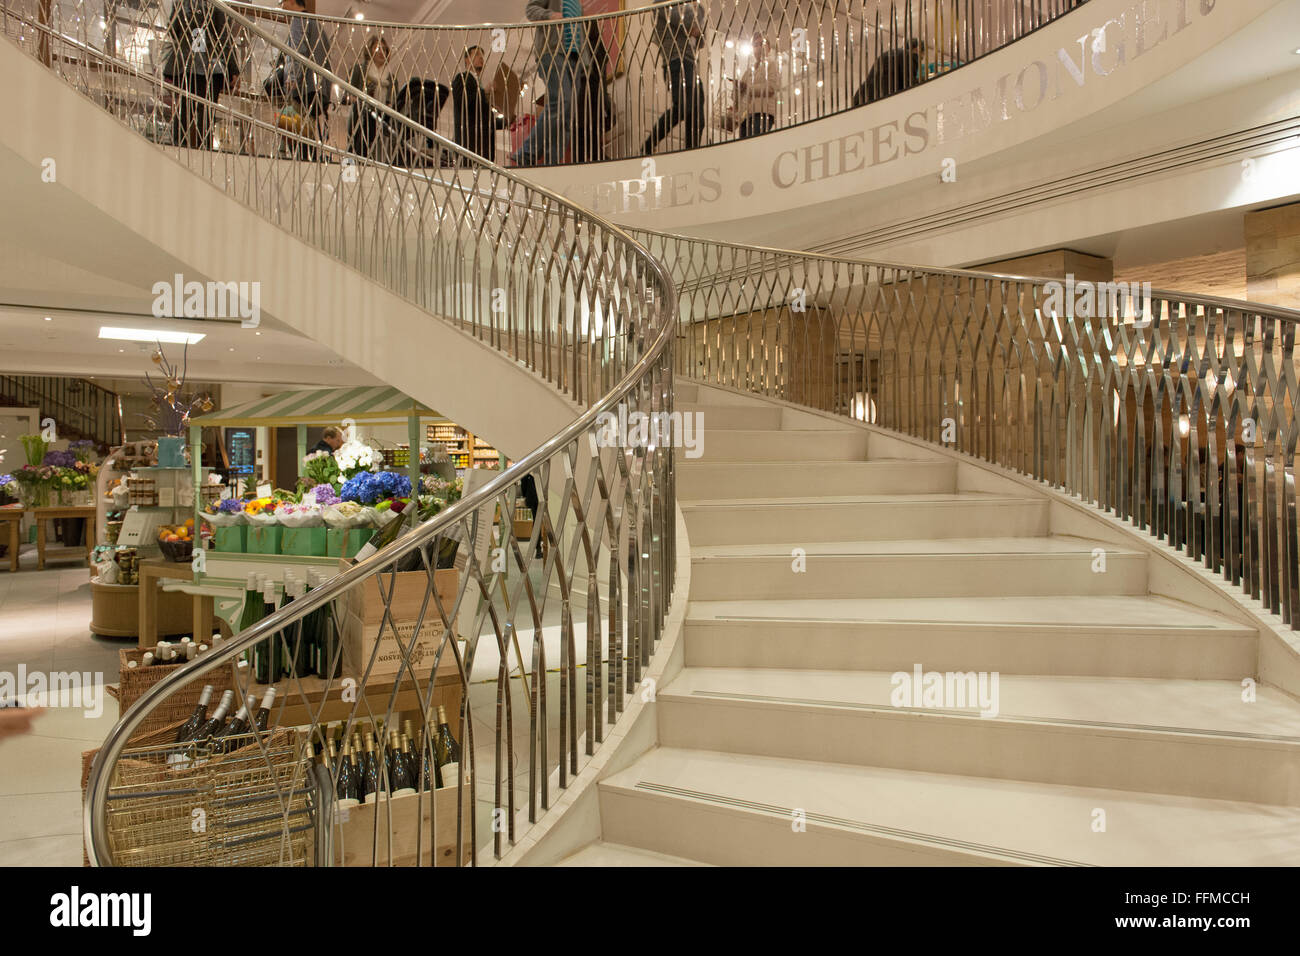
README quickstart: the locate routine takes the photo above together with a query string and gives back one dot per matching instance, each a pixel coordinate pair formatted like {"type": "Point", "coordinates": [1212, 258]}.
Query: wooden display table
{"type": "Point", "coordinates": [13, 519]}
{"type": "Point", "coordinates": [115, 611]}
{"type": "Point", "coordinates": [152, 570]}
{"type": "Point", "coordinates": [44, 515]}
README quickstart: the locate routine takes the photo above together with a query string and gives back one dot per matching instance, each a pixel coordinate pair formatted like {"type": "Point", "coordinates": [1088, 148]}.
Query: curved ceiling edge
{"type": "Point", "coordinates": [1073, 68]}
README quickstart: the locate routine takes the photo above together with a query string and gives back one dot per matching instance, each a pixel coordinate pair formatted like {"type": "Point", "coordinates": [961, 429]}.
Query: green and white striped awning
{"type": "Point", "coordinates": [321, 406]}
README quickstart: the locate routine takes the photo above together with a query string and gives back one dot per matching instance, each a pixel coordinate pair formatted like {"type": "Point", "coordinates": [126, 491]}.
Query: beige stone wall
{"type": "Point", "coordinates": [1273, 256]}
{"type": "Point", "coordinates": [1219, 273]}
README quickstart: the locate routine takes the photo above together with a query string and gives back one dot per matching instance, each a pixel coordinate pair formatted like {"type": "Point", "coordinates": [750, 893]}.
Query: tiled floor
{"type": "Point", "coordinates": [44, 625]}
{"type": "Point", "coordinates": [44, 618]}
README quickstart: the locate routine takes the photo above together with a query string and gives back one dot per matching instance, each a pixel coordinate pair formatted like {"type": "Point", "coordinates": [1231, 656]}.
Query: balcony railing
{"type": "Point", "coordinates": [669, 76]}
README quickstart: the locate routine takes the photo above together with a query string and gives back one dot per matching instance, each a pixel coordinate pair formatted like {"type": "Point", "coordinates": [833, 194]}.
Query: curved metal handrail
{"type": "Point", "coordinates": [1174, 412]}
{"type": "Point", "coordinates": [815, 60]}
{"type": "Point", "coordinates": [605, 515]}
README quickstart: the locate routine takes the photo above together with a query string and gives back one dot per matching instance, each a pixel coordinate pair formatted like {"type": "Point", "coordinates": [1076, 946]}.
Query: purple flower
{"type": "Point", "coordinates": [59, 459]}
{"type": "Point", "coordinates": [230, 506]}
{"type": "Point", "coordinates": [325, 495]}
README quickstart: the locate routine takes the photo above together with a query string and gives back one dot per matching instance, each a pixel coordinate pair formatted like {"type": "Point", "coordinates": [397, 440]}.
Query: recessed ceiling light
{"type": "Point", "coordinates": [151, 335]}
{"type": "Point", "coordinates": [121, 350]}
{"type": "Point", "coordinates": [257, 333]}
{"type": "Point", "coordinates": [231, 349]}
{"type": "Point", "coordinates": [48, 319]}
{"type": "Point", "coordinates": [358, 15]}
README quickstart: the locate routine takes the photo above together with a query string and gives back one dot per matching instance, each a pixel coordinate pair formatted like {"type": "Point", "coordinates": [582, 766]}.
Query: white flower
{"type": "Point", "coordinates": [353, 455]}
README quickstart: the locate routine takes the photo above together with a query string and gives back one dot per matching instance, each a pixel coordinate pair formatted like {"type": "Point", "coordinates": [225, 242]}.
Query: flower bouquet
{"type": "Point", "coordinates": [83, 449]}
{"type": "Point", "coordinates": [225, 514]}
{"type": "Point", "coordinates": [320, 468]}
{"type": "Point", "coordinates": [260, 511]}
{"type": "Point", "coordinates": [353, 458]}
{"type": "Point", "coordinates": [34, 447]}
{"type": "Point", "coordinates": [348, 514]}
{"type": "Point", "coordinates": [8, 489]}
{"type": "Point", "coordinates": [370, 487]}
{"type": "Point", "coordinates": [300, 515]}
{"type": "Point", "coordinates": [35, 482]}
{"type": "Point", "coordinates": [323, 495]}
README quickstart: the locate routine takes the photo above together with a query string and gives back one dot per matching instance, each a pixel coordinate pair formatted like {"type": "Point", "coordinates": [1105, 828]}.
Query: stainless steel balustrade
{"type": "Point", "coordinates": [1174, 412]}
{"type": "Point", "coordinates": [761, 65]}
{"type": "Point", "coordinates": [585, 308]}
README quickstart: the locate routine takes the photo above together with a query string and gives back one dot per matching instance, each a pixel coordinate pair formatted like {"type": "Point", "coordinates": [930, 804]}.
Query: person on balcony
{"type": "Point", "coordinates": [474, 121]}
{"type": "Point", "coordinates": [372, 74]}
{"type": "Point", "coordinates": [756, 93]}
{"type": "Point", "coordinates": [893, 72]}
{"type": "Point", "coordinates": [678, 32]}
{"type": "Point", "coordinates": [595, 109]}
{"type": "Point", "coordinates": [203, 64]}
{"type": "Point", "coordinates": [563, 55]}
{"type": "Point", "coordinates": [306, 88]}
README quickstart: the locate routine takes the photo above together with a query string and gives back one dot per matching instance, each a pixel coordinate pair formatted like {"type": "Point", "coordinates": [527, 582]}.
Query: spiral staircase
{"type": "Point", "coordinates": [919, 474]}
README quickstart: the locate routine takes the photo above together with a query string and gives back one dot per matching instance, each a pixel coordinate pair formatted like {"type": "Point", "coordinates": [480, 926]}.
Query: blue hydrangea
{"type": "Point", "coordinates": [372, 486]}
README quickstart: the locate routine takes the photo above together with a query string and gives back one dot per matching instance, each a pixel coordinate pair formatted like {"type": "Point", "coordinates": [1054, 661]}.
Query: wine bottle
{"type": "Point", "coordinates": [448, 750]}
{"type": "Point", "coordinates": [399, 775]}
{"type": "Point", "coordinates": [295, 644]}
{"type": "Point", "coordinates": [430, 774]}
{"type": "Point", "coordinates": [196, 719]}
{"type": "Point", "coordinates": [370, 781]}
{"type": "Point", "coordinates": [266, 655]}
{"type": "Point", "coordinates": [223, 739]}
{"type": "Point", "coordinates": [214, 723]}
{"type": "Point", "coordinates": [408, 753]}
{"type": "Point", "coordinates": [263, 717]}
{"type": "Point", "coordinates": [346, 786]}
{"type": "Point", "coordinates": [385, 536]}
{"type": "Point", "coordinates": [252, 602]}
{"type": "Point", "coordinates": [407, 756]}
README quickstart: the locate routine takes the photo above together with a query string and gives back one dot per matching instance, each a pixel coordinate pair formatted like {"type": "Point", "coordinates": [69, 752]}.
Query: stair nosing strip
{"type": "Point", "coordinates": [1010, 718]}
{"type": "Point", "coordinates": [1242, 630]}
{"type": "Point", "coordinates": [718, 799]}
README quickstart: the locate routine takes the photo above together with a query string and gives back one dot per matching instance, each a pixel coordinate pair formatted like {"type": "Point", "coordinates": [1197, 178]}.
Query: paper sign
{"type": "Point", "coordinates": [264, 491]}
{"type": "Point", "coordinates": [166, 497]}
{"type": "Point", "coordinates": [309, 498]}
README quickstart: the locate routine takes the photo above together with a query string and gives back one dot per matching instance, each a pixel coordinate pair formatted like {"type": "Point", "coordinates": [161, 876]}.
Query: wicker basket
{"type": "Point", "coordinates": [134, 681]}
{"type": "Point", "coordinates": [151, 805]}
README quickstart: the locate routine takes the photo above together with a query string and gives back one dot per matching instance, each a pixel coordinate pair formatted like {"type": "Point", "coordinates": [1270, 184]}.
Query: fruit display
{"type": "Point", "coordinates": [177, 540]}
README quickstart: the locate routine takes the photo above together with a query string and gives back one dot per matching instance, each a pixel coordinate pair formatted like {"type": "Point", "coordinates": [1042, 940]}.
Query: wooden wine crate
{"type": "Point", "coordinates": [358, 842]}
{"type": "Point", "coordinates": [364, 614]}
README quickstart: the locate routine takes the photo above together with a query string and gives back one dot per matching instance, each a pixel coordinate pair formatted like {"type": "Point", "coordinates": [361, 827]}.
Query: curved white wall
{"type": "Point", "coordinates": [128, 209]}
{"type": "Point", "coordinates": [1058, 95]}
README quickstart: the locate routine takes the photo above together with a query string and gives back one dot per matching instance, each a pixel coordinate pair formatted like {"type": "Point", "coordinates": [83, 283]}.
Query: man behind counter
{"type": "Point", "coordinates": [331, 439]}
